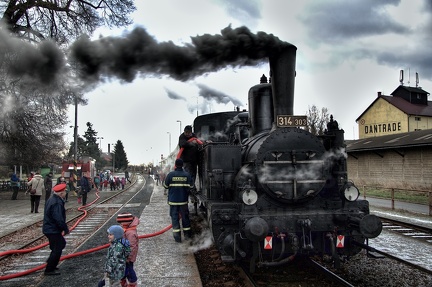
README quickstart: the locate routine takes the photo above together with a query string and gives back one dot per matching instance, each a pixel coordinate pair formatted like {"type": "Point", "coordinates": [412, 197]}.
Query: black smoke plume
{"type": "Point", "coordinates": [139, 53]}
{"type": "Point", "coordinates": [43, 62]}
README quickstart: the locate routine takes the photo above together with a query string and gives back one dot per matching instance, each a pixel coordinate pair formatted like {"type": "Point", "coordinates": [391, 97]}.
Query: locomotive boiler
{"type": "Point", "coordinates": [269, 188]}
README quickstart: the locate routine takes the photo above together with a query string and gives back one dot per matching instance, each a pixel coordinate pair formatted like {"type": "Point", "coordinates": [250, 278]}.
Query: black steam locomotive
{"type": "Point", "coordinates": [272, 190]}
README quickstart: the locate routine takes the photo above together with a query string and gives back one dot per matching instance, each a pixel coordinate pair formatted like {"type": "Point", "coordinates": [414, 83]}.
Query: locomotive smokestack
{"type": "Point", "coordinates": [282, 71]}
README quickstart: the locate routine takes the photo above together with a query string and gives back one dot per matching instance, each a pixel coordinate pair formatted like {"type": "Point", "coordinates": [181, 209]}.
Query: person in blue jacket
{"type": "Point", "coordinates": [15, 184]}
{"type": "Point", "coordinates": [55, 227]}
{"type": "Point", "coordinates": [179, 183]}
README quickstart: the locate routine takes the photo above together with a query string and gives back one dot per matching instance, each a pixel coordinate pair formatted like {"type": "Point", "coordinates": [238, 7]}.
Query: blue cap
{"type": "Point", "coordinates": [117, 231]}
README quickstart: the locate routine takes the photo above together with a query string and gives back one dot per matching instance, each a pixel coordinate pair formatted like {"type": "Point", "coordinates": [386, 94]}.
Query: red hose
{"type": "Point", "coordinates": [84, 215]}
{"type": "Point", "coordinates": [19, 274]}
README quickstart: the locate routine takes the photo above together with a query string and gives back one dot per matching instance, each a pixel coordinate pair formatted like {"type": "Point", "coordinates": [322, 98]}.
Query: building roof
{"type": "Point", "coordinates": [404, 106]}
{"type": "Point", "coordinates": [402, 140]}
{"type": "Point", "coordinates": [411, 90]}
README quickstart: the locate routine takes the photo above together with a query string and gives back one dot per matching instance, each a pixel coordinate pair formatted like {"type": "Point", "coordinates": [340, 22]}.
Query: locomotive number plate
{"type": "Point", "coordinates": [291, 121]}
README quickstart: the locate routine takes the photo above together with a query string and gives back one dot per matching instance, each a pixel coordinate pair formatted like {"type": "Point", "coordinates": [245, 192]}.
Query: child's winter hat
{"type": "Point", "coordinates": [116, 230]}
{"type": "Point", "coordinates": [125, 217]}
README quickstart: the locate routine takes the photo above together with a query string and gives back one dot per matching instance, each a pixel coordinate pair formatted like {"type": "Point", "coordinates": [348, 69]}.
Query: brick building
{"type": "Point", "coordinates": [401, 160]}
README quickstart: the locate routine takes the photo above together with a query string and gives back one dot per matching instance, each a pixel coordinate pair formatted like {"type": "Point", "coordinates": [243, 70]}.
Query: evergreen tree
{"type": "Point", "coordinates": [120, 158]}
{"type": "Point", "coordinates": [91, 146]}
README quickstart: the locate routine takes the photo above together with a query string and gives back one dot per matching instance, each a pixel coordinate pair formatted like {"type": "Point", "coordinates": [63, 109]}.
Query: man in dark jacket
{"type": "Point", "coordinates": [85, 188]}
{"type": "Point", "coordinates": [178, 183]}
{"type": "Point", "coordinates": [54, 224]}
{"type": "Point", "coordinates": [48, 182]}
{"type": "Point", "coordinates": [189, 144]}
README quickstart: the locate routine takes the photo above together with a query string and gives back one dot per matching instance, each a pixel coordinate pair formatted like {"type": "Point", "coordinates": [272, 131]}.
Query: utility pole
{"type": "Point", "coordinates": [75, 175]}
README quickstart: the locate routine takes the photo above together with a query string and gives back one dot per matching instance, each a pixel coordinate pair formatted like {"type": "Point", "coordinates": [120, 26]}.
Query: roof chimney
{"type": "Point", "coordinates": [379, 94]}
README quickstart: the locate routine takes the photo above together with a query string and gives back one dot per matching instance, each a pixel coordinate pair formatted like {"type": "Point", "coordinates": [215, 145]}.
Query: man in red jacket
{"type": "Point", "coordinates": [190, 155]}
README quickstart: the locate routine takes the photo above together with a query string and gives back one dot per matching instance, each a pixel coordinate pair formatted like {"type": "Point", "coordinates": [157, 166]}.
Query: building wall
{"type": "Point", "coordinates": [382, 119]}
{"type": "Point", "coordinates": [419, 123]}
{"type": "Point", "coordinates": [390, 169]}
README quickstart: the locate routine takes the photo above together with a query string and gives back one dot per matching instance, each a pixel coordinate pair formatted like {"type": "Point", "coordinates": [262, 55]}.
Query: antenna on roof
{"type": "Point", "coordinates": [409, 76]}
{"type": "Point", "coordinates": [417, 80]}
{"type": "Point", "coordinates": [401, 77]}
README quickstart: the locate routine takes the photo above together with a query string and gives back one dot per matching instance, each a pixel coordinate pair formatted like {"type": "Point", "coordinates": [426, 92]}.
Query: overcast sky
{"type": "Point", "coordinates": [347, 52]}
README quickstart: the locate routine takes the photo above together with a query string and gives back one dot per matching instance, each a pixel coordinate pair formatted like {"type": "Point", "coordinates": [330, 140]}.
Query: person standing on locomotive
{"type": "Point", "coordinates": [178, 183]}
{"type": "Point", "coordinates": [189, 144]}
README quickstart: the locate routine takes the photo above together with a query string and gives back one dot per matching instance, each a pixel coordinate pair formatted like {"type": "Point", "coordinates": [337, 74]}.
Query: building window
{"type": "Point", "coordinates": [418, 97]}
{"type": "Point", "coordinates": [417, 119]}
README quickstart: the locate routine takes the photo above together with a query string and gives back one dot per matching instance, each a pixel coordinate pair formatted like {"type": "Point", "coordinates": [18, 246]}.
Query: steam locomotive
{"type": "Point", "coordinates": [270, 189]}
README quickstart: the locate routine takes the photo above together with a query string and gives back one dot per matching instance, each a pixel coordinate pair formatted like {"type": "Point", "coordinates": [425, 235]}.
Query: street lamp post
{"type": "Point", "coordinates": [169, 151]}
{"type": "Point", "coordinates": [113, 156]}
{"type": "Point", "coordinates": [180, 126]}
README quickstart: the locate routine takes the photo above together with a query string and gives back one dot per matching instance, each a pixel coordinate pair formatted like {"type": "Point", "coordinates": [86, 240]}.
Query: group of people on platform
{"type": "Point", "coordinates": [105, 180]}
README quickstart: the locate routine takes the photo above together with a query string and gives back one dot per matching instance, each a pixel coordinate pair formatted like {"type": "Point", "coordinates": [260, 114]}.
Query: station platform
{"type": "Point", "coordinates": [172, 264]}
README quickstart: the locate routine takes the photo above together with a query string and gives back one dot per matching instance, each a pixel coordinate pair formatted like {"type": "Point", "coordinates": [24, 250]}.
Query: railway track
{"type": "Point", "coordinates": [414, 231]}
{"type": "Point", "coordinates": [20, 268]}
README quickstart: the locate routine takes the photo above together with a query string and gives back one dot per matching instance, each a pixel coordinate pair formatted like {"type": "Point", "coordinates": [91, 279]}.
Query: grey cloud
{"type": "Point", "coordinates": [338, 21]}
{"type": "Point", "coordinates": [173, 95]}
{"type": "Point", "coordinates": [246, 11]}
{"type": "Point", "coordinates": [220, 98]}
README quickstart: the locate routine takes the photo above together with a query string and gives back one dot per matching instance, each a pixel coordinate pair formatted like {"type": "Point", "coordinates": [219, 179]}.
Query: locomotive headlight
{"type": "Point", "coordinates": [249, 197]}
{"type": "Point", "coordinates": [351, 192]}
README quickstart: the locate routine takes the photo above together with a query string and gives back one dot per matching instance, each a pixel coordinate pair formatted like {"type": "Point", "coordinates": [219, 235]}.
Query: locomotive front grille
{"type": "Point", "coordinates": [294, 181]}
{"type": "Point", "coordinates": [291, 162]}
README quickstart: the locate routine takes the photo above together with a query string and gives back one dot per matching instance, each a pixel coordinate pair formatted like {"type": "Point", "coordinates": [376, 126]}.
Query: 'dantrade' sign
{"type": "Point", "coordinates": [382, 128]}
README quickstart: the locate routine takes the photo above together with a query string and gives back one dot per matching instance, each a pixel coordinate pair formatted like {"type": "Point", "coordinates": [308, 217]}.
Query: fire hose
{"type": "Point", "coordinates": [81, 208]}
{"type": "Point", "coordinates": [76, 254]}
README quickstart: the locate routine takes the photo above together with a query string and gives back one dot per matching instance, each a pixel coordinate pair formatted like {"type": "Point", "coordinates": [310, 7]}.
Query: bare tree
{"type": "Point", "coordinates": [32, 114]}
{"type": "Point", "coordinates": [63, 20]}
{"type": "Point", "coordinates": [31, 124]}
{"type": "Point", "coordinates": [317, 120]}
